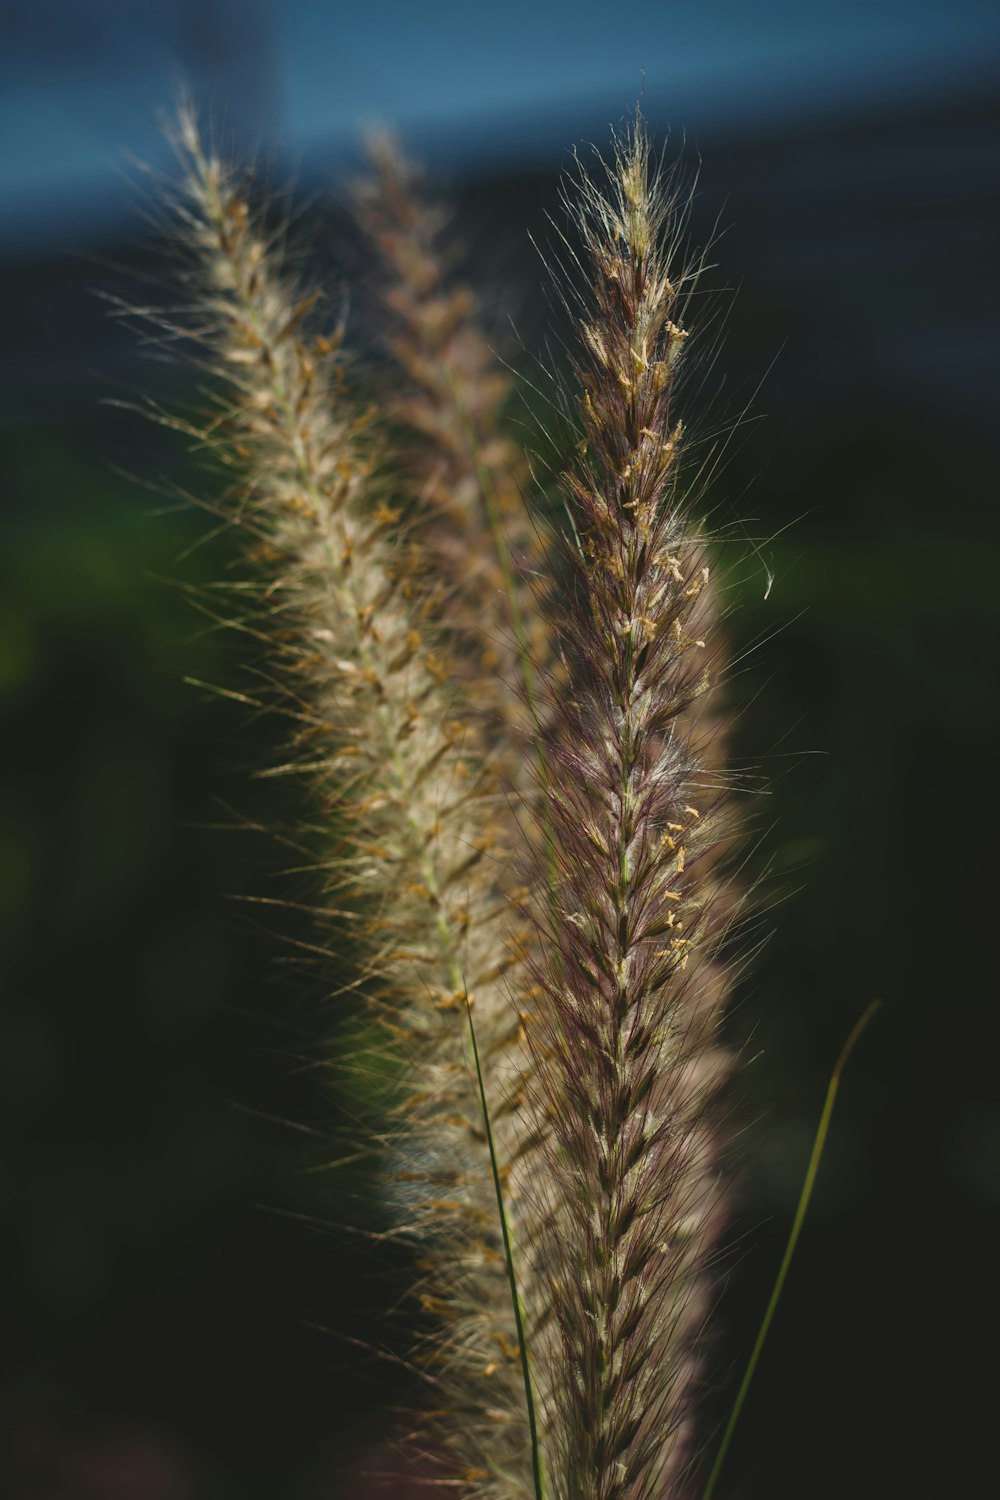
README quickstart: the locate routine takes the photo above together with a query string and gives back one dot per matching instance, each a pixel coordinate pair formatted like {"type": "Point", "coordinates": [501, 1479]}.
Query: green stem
{"type": "Point", "coordinates": [529, 1400]}
{"type": "Point", "coordinates": [810, 1178]}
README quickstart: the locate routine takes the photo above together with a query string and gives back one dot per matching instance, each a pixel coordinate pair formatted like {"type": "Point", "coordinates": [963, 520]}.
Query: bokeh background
{"type": "Point", "coordinates": [180, 1288]}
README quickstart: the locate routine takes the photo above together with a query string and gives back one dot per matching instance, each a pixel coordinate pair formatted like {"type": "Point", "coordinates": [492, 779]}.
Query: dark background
{"type": "Point", "coordinates": [162, 1307]}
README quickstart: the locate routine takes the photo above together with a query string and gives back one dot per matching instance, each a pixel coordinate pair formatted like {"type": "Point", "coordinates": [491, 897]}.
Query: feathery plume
{"type": "Point", "coordinates": [468, 476]}
{"type": "Point", "coordinates": [404, 786]}
{"type": "Point", "coordinates": [630, 995]}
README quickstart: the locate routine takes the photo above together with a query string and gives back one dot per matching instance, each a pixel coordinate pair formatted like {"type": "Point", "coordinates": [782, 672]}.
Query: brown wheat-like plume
{"type": "Point", "coordinates": [402, 780]}
{"type": "Point", "coordinates": [631, 995]}
{"type": "Point", "coordinates": [469, 476]}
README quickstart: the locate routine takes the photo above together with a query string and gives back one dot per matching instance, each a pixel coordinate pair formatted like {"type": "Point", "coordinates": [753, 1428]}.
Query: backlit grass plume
{"type": "Point", "coordinates": [467, 473]}
{"type": "Point", "coordinates": [399, 775]}
{"type": "Point", "coordinates": [626, 1035]}
{"type": "Point", "coordinates": [550, 1148]}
